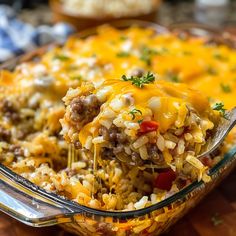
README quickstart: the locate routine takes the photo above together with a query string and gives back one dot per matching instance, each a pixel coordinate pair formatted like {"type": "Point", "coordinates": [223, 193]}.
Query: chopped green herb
{"type": "Point", "coordinates": [146, 54]}
{"type": "Point", "coordinates": [140, 81]}
{"type": "Point", "coordinates": [220, 107]}
{"type": "Point", "coordinates": [133, 112]}
{"type": "Point", "coordinates": [77, 77]}
{"type": "Point", "coordinates": [122, 54]}
{"type": "Point", "coordinates": [140, 121]}
{"type": "Point", "coordinates": [216, 220]}
{"type": "Point", "coordinates": [210, 99]}
{"type": "Point", "coordinates": [212, 71]}
{"type": "Point", "coordinates": [61, 57]}
{"type": "Point", "coordinates": [174, 78]}
{"type": "Point", "coordinates": [218, 56]}
{"type": "Point", "coordinates": [123, 37]}
{"type": "Point", "coordinates": [225, 88]}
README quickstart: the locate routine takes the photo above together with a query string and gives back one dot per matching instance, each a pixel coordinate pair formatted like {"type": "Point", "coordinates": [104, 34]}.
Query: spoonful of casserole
{"type": "Point", "coordinates": [145, 122]}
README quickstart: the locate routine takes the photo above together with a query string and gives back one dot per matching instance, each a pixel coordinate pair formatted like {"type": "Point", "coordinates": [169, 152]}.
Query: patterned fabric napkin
{"type": "Point", "coordinates": [17, 37]}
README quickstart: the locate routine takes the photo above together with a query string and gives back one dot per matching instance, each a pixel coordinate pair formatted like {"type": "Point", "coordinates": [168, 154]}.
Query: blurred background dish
{"type": "Point", "coordinates": [83, 14]}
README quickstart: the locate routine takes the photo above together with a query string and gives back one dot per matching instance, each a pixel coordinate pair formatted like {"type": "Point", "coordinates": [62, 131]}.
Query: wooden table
{"type": "Point", "coordinates": [214, 216]}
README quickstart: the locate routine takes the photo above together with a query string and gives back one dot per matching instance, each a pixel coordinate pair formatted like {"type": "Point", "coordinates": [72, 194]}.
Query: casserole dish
{"type": "Point", "coordinates": [32, 205]}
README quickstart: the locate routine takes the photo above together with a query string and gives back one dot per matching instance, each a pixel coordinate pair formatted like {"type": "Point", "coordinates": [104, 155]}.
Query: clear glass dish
{"type": "Point", "coordinates": [34, 206]}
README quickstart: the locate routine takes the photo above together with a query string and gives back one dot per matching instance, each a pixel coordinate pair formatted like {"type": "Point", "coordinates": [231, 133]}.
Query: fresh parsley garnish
{"type": "Point", "coordinates": [216, 220]}
{"type": "Point", "coordinates": [140, 81]}
{"type": "Point", "coordinates": [218, 56]}
{"type": "Point", "coordinates": [225, 88]}
{"type": "Point", "coordinates": [212, 71]}
{"type": "Point", "coordinates": [140, 121]}
{"type": "Point", "coordinates": [146, 54]}
{"type": "Point", "coordinates": [61, 57]}
{"type": "Point", "coordinates": [77, 77]}
{"type": "Point", "coordinates": [123, 37]}
{"type": "Point", "coordinates": [219, 106]}
{"type": "Point", "coordinates": [210, 99]}
{"type": "Point", "coordinates": [134, 112]}
{"type": "Point", "coordinates": [174, 78]}
{"type": "Point", "coordinates": [122, 54]}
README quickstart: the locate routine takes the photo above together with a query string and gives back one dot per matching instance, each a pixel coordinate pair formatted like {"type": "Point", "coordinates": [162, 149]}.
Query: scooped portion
{"type": "Point", "coordinates": [140, 121]}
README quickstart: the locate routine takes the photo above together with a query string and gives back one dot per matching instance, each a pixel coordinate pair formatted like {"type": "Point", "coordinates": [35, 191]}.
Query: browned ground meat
{"type": "Point", "coordinates": [114, 135]}
{"type": "Point", "coordinates": [5, 135]}
{"type": "Point", "coordinates": [155, 154]}
{"type": "Point", "coordinates": [17, 150]}
{"type": "Point", "coordinates": [84, 109]}
{"type": "Point", "coordinates": [105, 229]}
{"type": "Point", "coordinates": [118, 140]}
{"type": "Point", "coordinates": [107, 153]}
{"type": "Point", "coordinates": [10, 111]}
{"type": "Point", "coordinates": [136, 159]}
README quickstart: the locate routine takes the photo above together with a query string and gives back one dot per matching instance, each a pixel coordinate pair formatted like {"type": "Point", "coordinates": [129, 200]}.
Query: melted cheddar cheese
{"type": "Point", "coordinates": [208, 68]}
{"type": "Point", "coordinates": [167, 103]}
{"type": "Point", "coordinates": [112, 53]}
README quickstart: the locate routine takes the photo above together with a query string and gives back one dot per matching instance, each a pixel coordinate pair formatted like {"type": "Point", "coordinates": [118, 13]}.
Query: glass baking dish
{"type": "Point", "coordinates": [34, 206]}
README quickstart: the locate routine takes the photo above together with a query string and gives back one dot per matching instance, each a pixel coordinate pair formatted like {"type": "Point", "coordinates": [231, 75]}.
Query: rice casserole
{"type": "Point", "coordinates": [136, 105]}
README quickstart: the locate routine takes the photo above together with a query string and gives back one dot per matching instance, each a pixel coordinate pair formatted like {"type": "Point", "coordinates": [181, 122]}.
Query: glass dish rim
{"type": "Point", "coordinates": [78, 208]}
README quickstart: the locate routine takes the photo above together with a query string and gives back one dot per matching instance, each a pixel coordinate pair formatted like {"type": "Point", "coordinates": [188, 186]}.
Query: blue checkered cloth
{"type": "Point", "coordinates": [17, 37]}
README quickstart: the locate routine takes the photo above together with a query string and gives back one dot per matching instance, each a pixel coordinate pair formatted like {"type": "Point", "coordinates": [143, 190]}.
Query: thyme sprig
{"type": "Point", "coordinates": [219, 106]}
{"type": "Point", "coordinates": [140, 81]}
{"type": "Point", "coordinates": [123, 54]}
{"type": "Point", "coordinates": [220, 57]}
{"type": "Point", "coordinates": [134, 112]}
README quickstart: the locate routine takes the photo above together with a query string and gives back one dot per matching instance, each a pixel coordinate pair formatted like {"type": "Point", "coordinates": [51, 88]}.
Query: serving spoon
{"type": "Point", "coordinates": [224, 126]}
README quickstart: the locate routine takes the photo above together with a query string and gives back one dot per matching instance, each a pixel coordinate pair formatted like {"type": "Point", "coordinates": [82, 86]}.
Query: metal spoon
{"type": "Point", "coordinates": [219, 133]}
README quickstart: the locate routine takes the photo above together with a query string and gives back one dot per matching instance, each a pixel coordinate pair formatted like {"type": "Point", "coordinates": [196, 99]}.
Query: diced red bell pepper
{"type": "Point", "coordinates": [165, 179]}
{"type": "Point", "coordinates": [148, 126]}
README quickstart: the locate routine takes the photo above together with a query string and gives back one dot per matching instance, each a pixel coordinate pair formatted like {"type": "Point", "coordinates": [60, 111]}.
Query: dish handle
{"type": "Point", "coordinates": [29, 206]}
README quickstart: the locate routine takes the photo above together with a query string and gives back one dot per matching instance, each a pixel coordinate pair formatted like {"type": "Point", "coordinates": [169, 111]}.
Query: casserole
{"type": "Point", "coordinates": [150, 220]}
